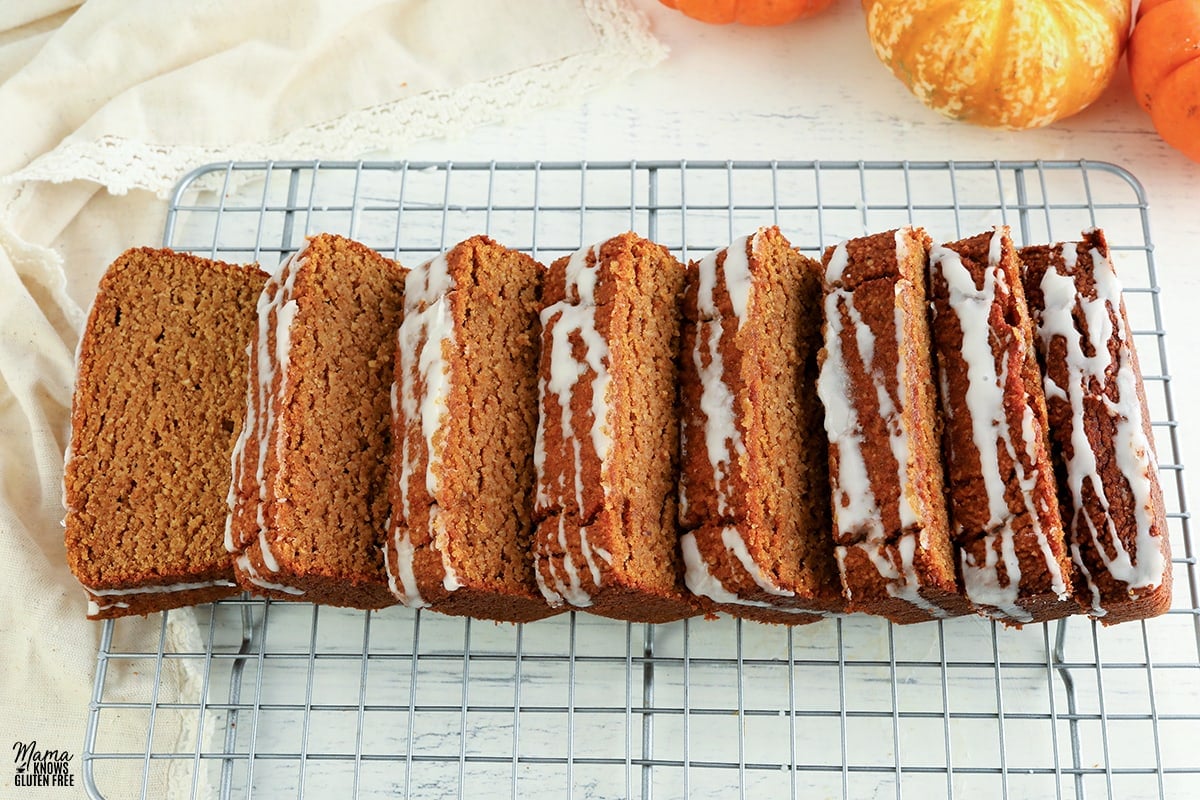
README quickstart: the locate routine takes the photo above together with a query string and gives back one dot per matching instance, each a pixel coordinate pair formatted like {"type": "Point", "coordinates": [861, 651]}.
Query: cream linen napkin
{"type": "Point", "coordinates": [105, 105]}
{"type": "Point", "coordinates": [131, 93]}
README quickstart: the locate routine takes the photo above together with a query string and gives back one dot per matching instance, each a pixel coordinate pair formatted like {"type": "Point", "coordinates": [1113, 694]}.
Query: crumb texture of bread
{"type": "Point", "coordinates": [1004, 512]}
{"type": "Point", "coordinates": [1109, 491]}
{"type": "Point", "coordinates": [607, 440]}
{"type": "Point", "coordinates": [309, 494]}
{"type": "Point", "coordinates": [157, 408]}
{"type": "Point", "coordinates": [890, 524]}
{"type": "Point", "coordinates": [464, 422]}
{"type": "Point", "coordinates": [754, 483]}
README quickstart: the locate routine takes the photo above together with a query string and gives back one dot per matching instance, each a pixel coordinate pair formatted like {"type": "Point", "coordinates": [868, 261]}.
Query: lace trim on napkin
{"type": "Point", "coordinates": [624, 45]}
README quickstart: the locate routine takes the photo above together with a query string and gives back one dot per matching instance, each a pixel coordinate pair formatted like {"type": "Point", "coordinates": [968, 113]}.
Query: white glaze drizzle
{"type": "Point", "coordinates": [251, 573]}
{"type": "Point", "coordinates": [722, 439]}
{"type": "Point", "coordinates": [94, 608]}
{"type": "Point", "coordinates": [566, 587]}
{"type": "Point", "coordinates": [166, 588]}
{"type": "Point", "coordinates": [717, 407]}
{"type": "Point", "coordinates": [261, 414]}
{"type": "Point", "coordinates": [388, 543]}
{"type": "Point", "coordinates": [238, 455]}
{"type": "Point", "coordinates": [441, 542]}
{"type": "Point", "coordinates": [705, 583]}
{"type": "Point", "coordinates": [403, 584]}
{"type": "Point", "coordinates": [406, 591]}
{"type": "Point", "coordinates": [855, 508]}
{"type": "Point", "coordinates": [422, 394]}
{"type": "Point", "coordinates": [1097, 609]}
{"type": "Point", "coordinates": [990, 428]}
{"type": "Point", "coordinates": [1143, 568]}
{"type": "Point", "coordinates": [737, 278]}
{"type": "Point", "coordinates": [839, 259]}
{"type": "Point", "coordinates": [731, 537]}
{"type": "Point", "coordinates": [902, 580]}
{"type": "Point", "coordinates": [552, 597]}
{"type": "Point", "coordinates": [589, 557]}
{"type": "Point", "coordinates": [424, 335]}
{"type": "Point", "coordinates": [562, 319]}
{"type": "Point", "coordinates": [701, 581]}
{"type": "Point", "coordinates": [575, 314]}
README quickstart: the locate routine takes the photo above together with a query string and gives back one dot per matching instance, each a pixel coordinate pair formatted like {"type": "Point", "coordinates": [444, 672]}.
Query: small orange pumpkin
{"type": "Point", "coordinates": [1164, 67]}
{"type": "Point", "coordinates": [748, 12]}
{"type": "Point", "coordinates": [1001, 63]}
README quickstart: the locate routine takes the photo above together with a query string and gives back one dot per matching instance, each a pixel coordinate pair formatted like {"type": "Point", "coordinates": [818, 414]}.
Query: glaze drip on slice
{"type": "Point", "coordinates": [268, 355]}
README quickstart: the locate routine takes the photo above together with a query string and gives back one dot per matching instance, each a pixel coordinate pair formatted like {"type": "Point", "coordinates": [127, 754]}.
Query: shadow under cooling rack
{"type": "Point", "coordinates": [253, 698]}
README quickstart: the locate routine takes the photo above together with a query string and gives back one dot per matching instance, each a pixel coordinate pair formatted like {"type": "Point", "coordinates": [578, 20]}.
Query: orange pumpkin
{"type": "Point", "coordinates": [1001, 63]}
{"type": "Point", "coordinates": [1164, 67]}
{"type": "Point", "coordinates": [748, 12]}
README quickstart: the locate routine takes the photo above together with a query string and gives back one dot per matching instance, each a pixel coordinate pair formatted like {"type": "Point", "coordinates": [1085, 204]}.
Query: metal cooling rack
{"type": "Point", "coordinates": [292, 699]}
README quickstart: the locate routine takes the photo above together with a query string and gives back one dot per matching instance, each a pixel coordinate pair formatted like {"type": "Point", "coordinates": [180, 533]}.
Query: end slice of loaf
{"type": "Point", "coordinates": [158, 405]}
{"type": "Point", "coordinates": [1111, 499]}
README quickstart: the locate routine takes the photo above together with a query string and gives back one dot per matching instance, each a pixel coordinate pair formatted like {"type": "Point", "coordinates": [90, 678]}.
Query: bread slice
{"type": "Point", "coordinates": [157, 407]}
{"type": "Point", "coordinates": [1111, 499]}
{"type": "Point", "coordinates": [1003, 507]}
{"type": "Point", "coordinates": [308, 501]}
{"type": "Point", "coordinates": [754, 483]}
{"type": "Point", "coordinates": [608, 434]}
{"type": "Point", "coordinates": [889, 511]}
{"type": "Point", "coordinates": [464, 421]}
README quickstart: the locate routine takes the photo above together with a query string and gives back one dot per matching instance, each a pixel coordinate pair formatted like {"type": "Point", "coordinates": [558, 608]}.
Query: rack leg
{"type": "Point", "coordinates": [1060, 639]}
{"type": "Point", "coordinates": [235, 695]}
{"type": "Point", "coordinates": [647, 716]}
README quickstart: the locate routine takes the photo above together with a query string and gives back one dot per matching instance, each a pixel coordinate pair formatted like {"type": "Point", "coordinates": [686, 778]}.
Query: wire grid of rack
{"type": "Point", "coordinates": [297, 699]}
